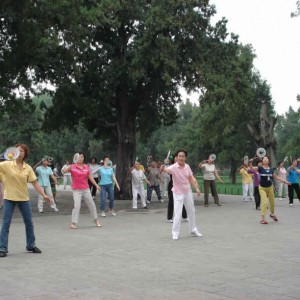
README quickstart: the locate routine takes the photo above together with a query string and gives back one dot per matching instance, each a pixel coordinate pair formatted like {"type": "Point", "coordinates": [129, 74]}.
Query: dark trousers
{"type": "Point", "coordinates": [154, 187]}
{"type": "Point", "coordinates": [210, 184]}
{"type": "Point", "coordinates": [93, 189]}
{"type": "Point", "coordinates": [171, 205]}
{"type": "Point", "coordinates": [257, 197]}
{"type": "Point", "coordinates": [291, 188]}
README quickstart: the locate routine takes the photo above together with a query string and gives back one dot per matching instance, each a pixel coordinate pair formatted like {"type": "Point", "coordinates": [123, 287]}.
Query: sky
{"type": "Point", "coordinates": [275, 36]}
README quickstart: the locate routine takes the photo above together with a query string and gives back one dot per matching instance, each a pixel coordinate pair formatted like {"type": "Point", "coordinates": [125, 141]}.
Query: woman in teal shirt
{"type": "Point", "coordinates": [293, 178]}
{"type": "Point", "coordinates": [107, 178]}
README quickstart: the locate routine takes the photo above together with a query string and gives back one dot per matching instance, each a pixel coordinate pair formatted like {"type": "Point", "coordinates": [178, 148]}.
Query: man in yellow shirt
{"type": "Point", "coordinates": [16, 175]}
{"type": "Point", "coordinates": [247, 182]}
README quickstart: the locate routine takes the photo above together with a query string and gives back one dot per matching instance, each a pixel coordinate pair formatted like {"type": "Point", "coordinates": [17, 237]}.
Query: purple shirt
{"type": "Point", "coordinates": [256, 177]}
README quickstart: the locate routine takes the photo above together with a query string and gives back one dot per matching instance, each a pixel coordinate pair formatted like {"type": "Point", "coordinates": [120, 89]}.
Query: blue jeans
{"type": "Point", "coordinates": [106, 188]}
{"type": "Point", "coordinates": [7, 213]}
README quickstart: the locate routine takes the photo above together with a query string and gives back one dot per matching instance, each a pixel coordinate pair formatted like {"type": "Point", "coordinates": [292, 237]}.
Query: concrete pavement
{"type": "Point", "coordinates": [133, 256]}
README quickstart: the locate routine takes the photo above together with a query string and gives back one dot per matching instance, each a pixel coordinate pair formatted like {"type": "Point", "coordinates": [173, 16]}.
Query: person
{"type": "Point", "coordinates": [153, 175]}
{"type": "Point", "coordinates": [165, 180]}
{"type": "Point", "coordinates": [282, 173]}
{"type": "Point", "coordinates": [247, 181]}
{"type": "Point", "coordinates": [67, 175]}
{"type": "Point", "coordinates": [17, 173]}
{"type": "Point", "coordinates": [266, 189]}
{"type": "Point", "coordinates": [1, 190]}
{"type": "Point", "coordinates": [44, 172]}
{"type": "Point", "coordinates": [183, 178]}
{"type": "Point", "coordinates": [209, 177]}
{"type": "Point", "coordinates": [170, 210]}
{"type": "Point", "coordinates": [138, 177]}
{"type": "Point", "coordinates": [53, 183]}
{"type": "Point", "coordinates": [293, 177]}
{"type": "Point", "coordinates": [107, 178]}
{"type": "Point", "coordinates": [256, 180]}
{"type": "Point", "coordinates": [94, 167]}
{"type": "Point", "coordinates": [80, 173]}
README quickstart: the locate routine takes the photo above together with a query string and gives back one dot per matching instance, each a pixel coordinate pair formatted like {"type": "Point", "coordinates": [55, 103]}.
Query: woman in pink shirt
{"type": "Point", "coordinates": [80, 174]}
{"type": "Point", "coordinates": [182, 193]}
{"type": "Point", "coordinates": [282, 187]}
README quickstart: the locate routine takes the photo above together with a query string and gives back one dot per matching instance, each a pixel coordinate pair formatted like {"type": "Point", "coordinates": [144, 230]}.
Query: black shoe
{"type": "Point", "coordinates": [145, 207]}
{"type": "Point", "coordinates": [2, 254]}
{"type": "Point", "coordinates": [35, 250]}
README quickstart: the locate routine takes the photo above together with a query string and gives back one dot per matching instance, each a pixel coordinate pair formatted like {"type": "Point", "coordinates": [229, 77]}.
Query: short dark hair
{"type": "Point", "coordinates": [81, 153]}
{"type": "Point", "coordinates": [181, 150]}
{"type": "Point", "coordinates": [94, 158]}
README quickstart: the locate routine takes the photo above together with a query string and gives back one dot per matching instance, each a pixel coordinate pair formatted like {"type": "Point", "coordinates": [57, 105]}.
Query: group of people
{"type": "Point", "coordinates": [86, 179]}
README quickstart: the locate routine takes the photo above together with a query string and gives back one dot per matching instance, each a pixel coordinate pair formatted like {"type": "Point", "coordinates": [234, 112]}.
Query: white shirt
{"type": "Point", "coordinates": [209, 171]}
{"type": "Point", "coordinates": [138, 177]}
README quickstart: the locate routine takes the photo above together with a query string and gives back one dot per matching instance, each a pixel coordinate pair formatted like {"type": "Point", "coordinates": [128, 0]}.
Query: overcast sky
{"type": "Point", "coordinates": [275, 36]}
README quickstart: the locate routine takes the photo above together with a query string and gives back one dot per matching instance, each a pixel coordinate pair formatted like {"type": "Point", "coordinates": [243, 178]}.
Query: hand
{"type": "Point", "coordinates": [98, 188]}
{"type": "Point", "coordinates": [47, 198]}
{"type": "Point", "coordinates": [288, 183]}
{"type": "Point", "coordinates": [198, 192]}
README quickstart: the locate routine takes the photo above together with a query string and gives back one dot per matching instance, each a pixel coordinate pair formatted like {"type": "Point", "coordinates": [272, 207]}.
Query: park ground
{"type": "Point", "coordinates": [133, 256]}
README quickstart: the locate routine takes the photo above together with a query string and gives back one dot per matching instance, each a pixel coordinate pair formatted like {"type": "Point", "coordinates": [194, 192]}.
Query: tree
{"type": "Point", "coordinates": [116, 65]}
{"type": "Point", "coordinates": [297, 12]}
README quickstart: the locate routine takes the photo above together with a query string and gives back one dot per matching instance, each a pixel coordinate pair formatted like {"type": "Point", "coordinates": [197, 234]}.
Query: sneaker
{"type": "Point", "coordinates": [103, 214]}
{"type": "Point", "coordinates": [3, 253]}
{"type": "Point", "coordinates": [97, 223]}
{"type": "Point", "coordinates": [148, 202]}
{"type": "Point", "coordinates": [245, 200]}
{"type": "Point", "coordinates": [185, 220]}
{"type": "Point", "coordinates": [274, 218]}
{"type": "Point", "coordinates": [145, 207]}
{"type": "Point", "coordinates": [170, 221]}
{"type": "Point", "coordinates": [206, 205]}
{"type": "Point", "coordinates": [55, 208]}
{"type": "Point", "coordinates": [196, 233]}
{"type": "Point", "coordinates": [175, 237]}
{"type": "Point", "coordinates": [113, 213]}
{"type": "Point", "coordinates": [35, 250]}
{"type": "Point", "coordinates": [161, 200]}
{"type": "Point", "coordinates": [40, 211]}
{"type": "Point", "coordinates": [291, 204]}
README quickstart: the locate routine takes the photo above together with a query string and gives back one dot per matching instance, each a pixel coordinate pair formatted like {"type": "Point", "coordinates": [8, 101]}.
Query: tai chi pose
{"type": "Point", "coordinates": [293, 178]}
{"type": "Point", "coordinates": [107, 178]}
{"type": "Point", "coordinates": [256, 179]}
{"type": "Point", "coordinates": [80, 174]}
{"type": "Point", "coordinates": [282, 187]}
{"type": "Point", "coordinates": [17, 174]}
{"type": "Point", "coordinates": [209, 176]}
{"type": "Point", "coordinates": [67, 175]}
{"type": "Point", "coordinates": [94, 167]}
{"type": "Point", "coordinates": [183, 178]}
{"type": "Point", "coordinates": [138, 178]}
{"type": "Point", "coordinates": [266, 189]}
{"type": "Point", "coordinates": [44, 173]}
{"type": "Point", "coordinates": [153, 175]}
{"type": "Point", "coordinates": [171, 200]}
{"type": "Point", "coordinates": [247, 182]}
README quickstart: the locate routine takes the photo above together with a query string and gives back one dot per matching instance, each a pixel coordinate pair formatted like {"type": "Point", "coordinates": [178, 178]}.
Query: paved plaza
{"type": "Point", "coordinates": [133, 256]}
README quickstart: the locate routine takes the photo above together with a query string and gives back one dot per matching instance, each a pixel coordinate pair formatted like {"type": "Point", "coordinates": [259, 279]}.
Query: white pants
{"type": "Point", "coordinates": [164, 186]}
{"type": "Point", "coordinates": [66, 178]}
{"type": "Point", "coordinates": [188, 201]}
{"type": "Point", "coordinates": [138, 189]}
{"type": "Point", "coordinates": [48, 192]}
{"type": "Point", "coordinates": [87, 197]}
{"type": "Point", "coordinates": [248, 187]}
{"type": "Point", "coordinates": [282, 187]}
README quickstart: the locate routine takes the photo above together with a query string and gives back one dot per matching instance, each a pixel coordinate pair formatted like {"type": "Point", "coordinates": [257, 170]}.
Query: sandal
{"type": "Point", "coordinates": [97, 223]}
{"type": "Point", "coordinates": [73, 226]}
{"type": "Point", "coordinates": [274, 218]}
{"type": "Point", "coordinates": [263, 222]}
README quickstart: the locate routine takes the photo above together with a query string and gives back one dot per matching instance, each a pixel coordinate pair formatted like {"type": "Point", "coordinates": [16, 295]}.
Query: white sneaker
{"type": "Point", "coordinates": [185, 220]}
{"type": "Point", "coordinates": [196, 233]}
{"type": "Point", "coordinates": [55, 208]}
{"type": "Point", "coordinates": [103, 214]}
{"type": "Point", "coordinates": [148, 202]}
{"type": "Point", "coordinates": [290, 204]}
{"type": "Point", "coordinates": [175, 237]}
{"type": "Point", "coordinates": [170, 221]}
{"type": "Point", "coordinates": [161, 200]}
{"type": "Point", "coordinates": [113, 213]}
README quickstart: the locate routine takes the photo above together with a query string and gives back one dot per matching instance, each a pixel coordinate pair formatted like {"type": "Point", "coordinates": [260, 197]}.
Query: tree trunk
{"type": "Point", "coordinates": [233, 169]}
{"type": "Point", "coordinates": [126, 147]}
{"type": "Point", "coordinates": [265, 138]}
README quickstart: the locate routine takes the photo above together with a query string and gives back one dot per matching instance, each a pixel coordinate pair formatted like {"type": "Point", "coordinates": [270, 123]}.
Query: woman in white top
{"type": "Point", "coordinates": [209, 175]}
{"type": "Point", "coordinates": [282, 173]}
